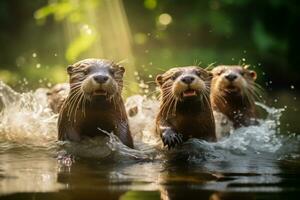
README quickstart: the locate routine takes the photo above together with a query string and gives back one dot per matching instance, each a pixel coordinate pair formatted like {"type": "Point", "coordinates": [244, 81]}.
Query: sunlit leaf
{"type": "Point", "coordinates": [150, 4]}
{"type": "Point", "coordinates": [79, 45]}
{"type": "Point", "coordinates": [59, 10]}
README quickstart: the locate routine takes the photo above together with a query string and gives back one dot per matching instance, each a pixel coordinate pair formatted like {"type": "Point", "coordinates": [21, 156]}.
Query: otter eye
{"type": "Point", "coordinates": [220, 72]}
{"type": "Point", "coordinates": [242, 73]}
{"type": "Point", "coordinates": [175, 75]}
{"type": "Point", "coordinates": [199, 74]}
{"type": "Point", "coordinates": [111, 71]}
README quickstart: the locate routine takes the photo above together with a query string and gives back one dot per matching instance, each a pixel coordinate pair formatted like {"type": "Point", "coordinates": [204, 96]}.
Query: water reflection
{"type": "Point", "coordinates": [24, 172]}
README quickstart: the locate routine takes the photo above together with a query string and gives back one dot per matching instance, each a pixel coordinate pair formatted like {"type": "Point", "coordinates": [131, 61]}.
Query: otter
{"type": "Point", "coordinates": [94, 104]}
{"type": "Point", "coordinates": [185, 109]}
{"type": "Point", "coordinates": [233, 93]}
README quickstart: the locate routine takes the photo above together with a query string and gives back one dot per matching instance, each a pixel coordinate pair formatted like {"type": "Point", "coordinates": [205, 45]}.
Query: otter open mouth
{"type": "Point", "coordinates": [100, 92]}
{"type": "Point", "coordinates": [232, 88]}
{"type": "Point", "coordinates": [189, 93]}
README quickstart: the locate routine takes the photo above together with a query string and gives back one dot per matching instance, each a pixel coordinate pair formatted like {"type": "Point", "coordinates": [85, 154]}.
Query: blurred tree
{"type": "Point", "coordinates": [94, 28]}
{"type": "Point", "coordinates": [164, 34]}
{"type": "Point", "coordinates": [262, 33]}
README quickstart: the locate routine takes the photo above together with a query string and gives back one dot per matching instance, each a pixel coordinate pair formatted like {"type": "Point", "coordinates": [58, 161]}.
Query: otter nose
{"type": "Point", "coordinates": [100, 78]}
{"type": "Point", "coordinates": [231, 77]}
{"type": "Point", "coordinates": [187, 79]}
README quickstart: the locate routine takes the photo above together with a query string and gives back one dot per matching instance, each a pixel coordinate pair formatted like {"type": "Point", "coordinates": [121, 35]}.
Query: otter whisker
{"type": "Point", "coordinates": [72, 109]}
{"type": "Point", "coordinates": [170, 106]}
{"type": "Point", "coordinates": [71, 100]}
{"type": "Point", "coordinates": [175, 107]}
{"type": "Point", "coordinates": [73, 106]}
{"type": "Point", "coordinates": [164, 105]}
{"type": "Point", "coordinates": [83, 105]}
{"type": "Point", "coordinates": [78, 104]}
{"type": "Point", "coordinates": [76, 84]}
{"type": "Point", "coordinates": [207, 101]}
{"type": "Point", "coordinates": [168, 103]}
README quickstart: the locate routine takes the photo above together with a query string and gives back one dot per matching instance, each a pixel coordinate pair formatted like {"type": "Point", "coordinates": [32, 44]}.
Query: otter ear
{"type": "Point", "coordinates": [70, 69]}
{"type": "Point", "coordinates": [159, 79]}
{"type": "Point", "coordinates": [122, 69]}
{"type": "Point", "coordinates": [253, 75]}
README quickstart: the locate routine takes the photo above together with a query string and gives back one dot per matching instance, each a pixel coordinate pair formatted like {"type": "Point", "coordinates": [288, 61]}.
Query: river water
{"type": "Point", "coordinates": [256, 162]}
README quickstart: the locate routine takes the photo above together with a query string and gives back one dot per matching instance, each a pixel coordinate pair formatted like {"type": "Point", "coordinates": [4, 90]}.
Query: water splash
{"type": "Point", "coordinates": [27, 121]}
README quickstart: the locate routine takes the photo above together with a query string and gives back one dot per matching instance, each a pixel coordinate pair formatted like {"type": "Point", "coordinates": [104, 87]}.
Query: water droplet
{"type": "Point", "coordinates": [165, 19]}
{"type": "Point", "coordinates": [270, 82]}
{"type": "Point", "coordinates": [150, 76]}
{"type": "Point", "coordinates": [38, 65]}
{"type": "Point", "coordinates": [232, 59]}
{"type": "Point", "coordinates": [136, 73]}
{"type": "Point", "coordinates": [244, 51]}
{"type": "Point", "coordinates": [243, 59]}
{"type": "Point", "coordinates": [34, 55]}
{"type": "Point", "coordinates": [55, 54]}
{"type": "Point", "coordinates": [146, 51]}
{"type": "Point", "coordinates": [292, 87]}
{"type": "Point", "coordinates": [275, 100]}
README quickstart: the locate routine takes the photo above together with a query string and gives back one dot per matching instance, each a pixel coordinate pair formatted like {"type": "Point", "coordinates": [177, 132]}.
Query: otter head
{"type": "Point", "coordinates": [96, 78]}
{"type": "Point", "coordinates": [236, 80]}
{"type": "Point", "coordinates": [183, 83]}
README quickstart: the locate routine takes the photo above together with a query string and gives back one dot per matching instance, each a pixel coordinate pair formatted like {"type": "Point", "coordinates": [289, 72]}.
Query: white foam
{"type": "Point", "coordinates": [26, 120]}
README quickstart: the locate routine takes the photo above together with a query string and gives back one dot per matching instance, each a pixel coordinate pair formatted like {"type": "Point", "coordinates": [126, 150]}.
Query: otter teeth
{"type": "Point", "coordinates": [189, 93]}
{"type": "Point", "coordinates": [100, 92]}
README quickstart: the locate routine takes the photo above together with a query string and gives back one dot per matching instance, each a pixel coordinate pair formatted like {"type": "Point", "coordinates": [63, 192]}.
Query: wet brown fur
{"type": "Point", "coordinates": [191, 117]}
{"type": "Point", "coordinates": [84, 115]}
{"type": "Point", "coordinates": [235, 99]}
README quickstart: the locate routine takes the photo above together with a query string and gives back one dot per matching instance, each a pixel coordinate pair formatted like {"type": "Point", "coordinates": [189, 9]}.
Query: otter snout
{"type": "Point", "coordinates": [100, 78]}
{"type": "Point", "coordinates": [188, 85]}
{"type": "Point", "coordinates": [99, 84]}
{"type": "Point", "coordinates": [231, 77]}
{"type": "Point", "coordinates": [187, 79]}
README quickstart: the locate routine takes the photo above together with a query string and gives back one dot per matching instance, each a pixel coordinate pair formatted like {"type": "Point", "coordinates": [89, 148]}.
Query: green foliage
{"type": "Point", "coordinates": [150, 4]}
{"type": "Point", "coordinates": [265, 41]}
{"type": "Point", "coordinates": [79, 45]}
{"type": "Point", "coordinates": [74, 14]}
{"type": "Point", "coordinates": [261, 33]}
{"type": "Point", "coordinates": [59, 10]}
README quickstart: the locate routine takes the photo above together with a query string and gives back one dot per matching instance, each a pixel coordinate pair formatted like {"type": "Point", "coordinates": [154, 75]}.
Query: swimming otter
{"type": "Point", "coordinates": [94, 102]}
{"type": "Point", "coordinates": [233, 91]}
{"type": "Point", "coordinates": [185, 109]}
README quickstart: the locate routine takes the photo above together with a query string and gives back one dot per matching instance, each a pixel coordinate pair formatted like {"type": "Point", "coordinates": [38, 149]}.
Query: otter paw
{"type": "Point", "coordinates": [171, 139]}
